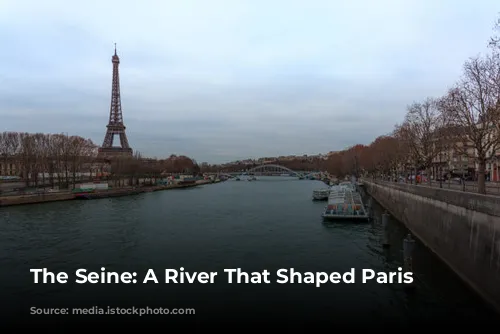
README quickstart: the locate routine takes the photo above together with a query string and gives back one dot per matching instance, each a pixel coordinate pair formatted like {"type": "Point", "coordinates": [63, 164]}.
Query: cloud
{"type": "Point", "coordinates": [224, 80]}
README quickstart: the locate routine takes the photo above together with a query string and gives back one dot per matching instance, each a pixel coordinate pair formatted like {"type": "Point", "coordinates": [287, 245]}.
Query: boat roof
{"type": "Point", "coordinates": [344, 196]}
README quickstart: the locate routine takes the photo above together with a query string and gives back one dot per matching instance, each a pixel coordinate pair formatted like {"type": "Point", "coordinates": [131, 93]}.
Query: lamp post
{"type": "Point", "coordinates": [440, 171]}
{"type": "Point", "coordinates": [416, 173]}
{"type": "Point", "coordinates": [463, 176]}
{"type": "Point", "coordinates": [448, 168]}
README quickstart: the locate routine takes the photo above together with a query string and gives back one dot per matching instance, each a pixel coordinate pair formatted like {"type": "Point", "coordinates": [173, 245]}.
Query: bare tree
{"type": "Point", "coordinates": [495, 39]}
{"type": "Point", "coordinates": [419, 129]}
{"type": "Point", "coordinates": [387, 155]}
{"type": "Point", "coordinates": [9, 146]}
{"type": "Point", "coordinates": [39, 157]}
{"type": "Point", "coordinates": [44, 148]}
{"type": "Point", "coordinates": [77, 150]}
{"type": "Point", "coordinates": [472, 107]}
{"type": "Point", "coordinates": [56, 144]}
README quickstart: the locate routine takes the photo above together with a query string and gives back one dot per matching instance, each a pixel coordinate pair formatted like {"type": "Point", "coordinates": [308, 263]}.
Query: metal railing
{"type": "Point", "coordinates": [492, 188]}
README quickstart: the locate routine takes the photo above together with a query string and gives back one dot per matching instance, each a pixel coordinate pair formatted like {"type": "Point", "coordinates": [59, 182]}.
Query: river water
{"type": "Point", "coordinates": [268, 224]}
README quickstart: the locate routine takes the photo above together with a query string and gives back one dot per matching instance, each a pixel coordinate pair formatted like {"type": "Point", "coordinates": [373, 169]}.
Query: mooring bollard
{"type": "Point", "coordinates": [385, 229]}
{"type": "Point", "coordinates": [408, 246]}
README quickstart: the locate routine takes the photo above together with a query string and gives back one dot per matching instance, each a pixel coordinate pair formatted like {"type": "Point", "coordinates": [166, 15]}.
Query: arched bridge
{"type": "Point", "coordinates": [271, 169]}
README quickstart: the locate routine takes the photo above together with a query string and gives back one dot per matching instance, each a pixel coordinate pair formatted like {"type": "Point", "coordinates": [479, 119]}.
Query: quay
{"type": "Point", "coordinates": [112, 192]}
{"type": "Point", "coordinates": [461, 228]}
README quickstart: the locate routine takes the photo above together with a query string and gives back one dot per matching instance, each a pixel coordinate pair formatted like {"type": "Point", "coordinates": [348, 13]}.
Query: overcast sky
{"type": "Point", "coordinates": [220, 80]}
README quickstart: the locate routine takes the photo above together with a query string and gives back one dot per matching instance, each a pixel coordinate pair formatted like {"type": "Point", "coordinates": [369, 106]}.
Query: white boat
{"type": "Point", "coordinates": [345, 204]}
{"type": "Point", "coordinates": [321, 194]}
{"type": "Point", "coordinates": [348, 185]}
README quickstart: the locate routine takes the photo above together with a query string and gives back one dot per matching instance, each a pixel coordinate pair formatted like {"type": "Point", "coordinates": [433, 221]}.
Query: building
{"type": "Point", "coordinates": [462, 159]}
{"type": "Point", "coordinates": [492, 168]}
{"type": "Point", "coordinates": [10, 166]}
{"type": "Point", "coordinates": [493, 154]}
{"type": "Point", "coordinates": [455, 156]}
{"type": "Point", "coordinates": [458, 157]}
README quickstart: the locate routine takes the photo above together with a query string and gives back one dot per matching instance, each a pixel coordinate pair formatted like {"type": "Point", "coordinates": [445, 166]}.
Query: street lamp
{"type": "Point", "coordinates": [463, 176]}
{"type": "Point", "coordinates": [440, 171]}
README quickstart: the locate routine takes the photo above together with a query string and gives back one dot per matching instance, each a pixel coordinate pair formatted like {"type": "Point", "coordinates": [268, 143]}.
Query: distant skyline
{"type": "Point", "coordinates": [228, 80]}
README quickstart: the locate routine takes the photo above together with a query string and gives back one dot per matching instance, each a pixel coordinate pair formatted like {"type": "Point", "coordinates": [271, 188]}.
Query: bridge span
{"type": "Point", "coordinates": [271, 170]}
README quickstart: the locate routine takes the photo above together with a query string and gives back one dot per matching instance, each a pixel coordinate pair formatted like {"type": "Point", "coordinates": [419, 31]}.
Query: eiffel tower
{"type": "Point", "coordinates": [115, 125]}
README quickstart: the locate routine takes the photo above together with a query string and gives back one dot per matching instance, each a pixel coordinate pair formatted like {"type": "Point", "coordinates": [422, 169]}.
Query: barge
{"type": "Point", "coordinates": [344, 203]}
{"type": "Point", "coordinates": [321, 194]}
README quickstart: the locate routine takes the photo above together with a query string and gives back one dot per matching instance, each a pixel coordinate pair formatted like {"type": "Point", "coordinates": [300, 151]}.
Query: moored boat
{"type": "Point", "coordinates": [347, 185]}
{"type": "Point", "coordinates": [321, 194]}
{"type": "Point", "coordinates": [345, 204]}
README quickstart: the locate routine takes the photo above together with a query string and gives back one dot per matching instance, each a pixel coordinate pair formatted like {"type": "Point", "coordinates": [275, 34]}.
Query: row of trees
{"type": "Point", "coordinates": [50, 159]}
{"type": "Point", "coordinates": [136, 167]}
{"type": "Point", "coordinates": [58, 158]}
{"type": "Point", "coordinates": [466, 121]}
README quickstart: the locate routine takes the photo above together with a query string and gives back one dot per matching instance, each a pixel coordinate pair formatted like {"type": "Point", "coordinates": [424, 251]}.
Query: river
{"type": "Point", "coordinates": [267, 224]}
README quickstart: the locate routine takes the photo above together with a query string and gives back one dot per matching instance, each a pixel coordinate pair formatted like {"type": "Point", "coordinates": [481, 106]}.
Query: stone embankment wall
{"type": "Point", "coordinates": [113, 192]}
{"type": "Point", "coordinates": [32, 199]}
{"type": "Point", "coordinates": [463, 229]}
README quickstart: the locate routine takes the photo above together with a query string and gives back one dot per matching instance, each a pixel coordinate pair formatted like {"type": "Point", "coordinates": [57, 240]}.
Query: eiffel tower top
{"type": "Point", "coordinates": [115, 58]}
